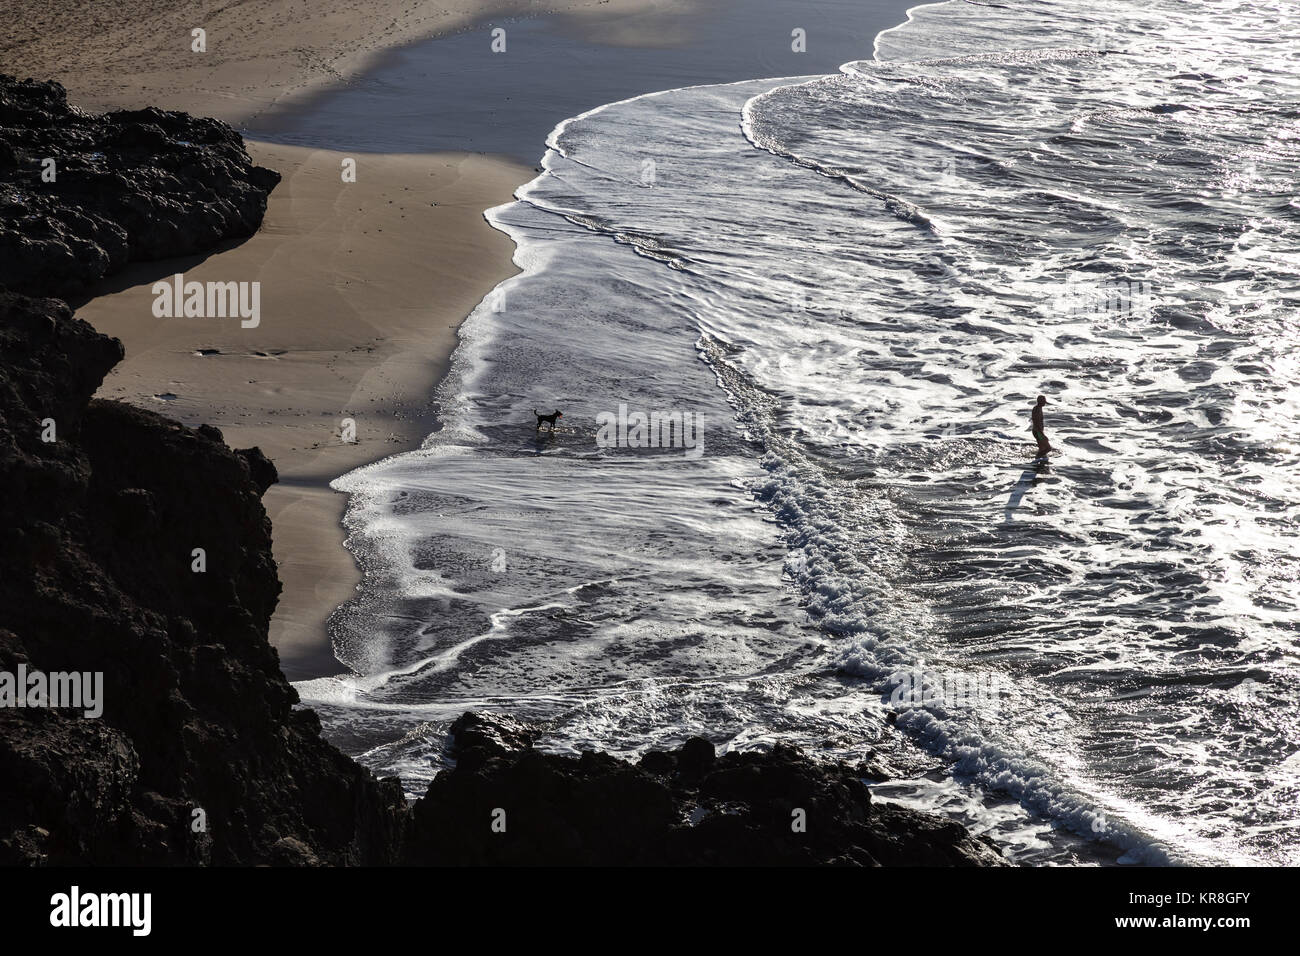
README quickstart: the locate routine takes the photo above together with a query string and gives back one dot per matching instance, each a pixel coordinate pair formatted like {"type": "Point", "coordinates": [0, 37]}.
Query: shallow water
{"type": "Point", "coordinates": [858, 283]}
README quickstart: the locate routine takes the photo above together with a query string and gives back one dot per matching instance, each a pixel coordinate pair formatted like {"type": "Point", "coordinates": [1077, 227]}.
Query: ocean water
{"type": "Point", "coordinates": [843, 293]}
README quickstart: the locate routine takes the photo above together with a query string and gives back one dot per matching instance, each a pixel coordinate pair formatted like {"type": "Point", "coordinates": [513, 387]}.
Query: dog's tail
{"type": "Point", "coordinates": [535, 413]}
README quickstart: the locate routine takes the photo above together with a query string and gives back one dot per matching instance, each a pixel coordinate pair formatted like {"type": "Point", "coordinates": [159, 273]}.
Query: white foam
{"type": "Point", "coordinates": [865, 502]}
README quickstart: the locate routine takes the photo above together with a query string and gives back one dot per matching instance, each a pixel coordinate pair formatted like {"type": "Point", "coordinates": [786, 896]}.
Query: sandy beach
{"type": "Point", "coordinates": [363, 283]}
{"type": "Point", "coordinates": [615, 450]}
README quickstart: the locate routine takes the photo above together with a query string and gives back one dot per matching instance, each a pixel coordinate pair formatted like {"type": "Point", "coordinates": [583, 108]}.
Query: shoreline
{"type": "Point", "coordinates": [388, 330]}
{"type": "Point", "coordinates": [362, 287]}
{"type": "Point", "coordinates": [354, 349]}
{"type": "Point", "coordinates": [362, 335]}
{"type": "Point", "coordinates": [341, 349]}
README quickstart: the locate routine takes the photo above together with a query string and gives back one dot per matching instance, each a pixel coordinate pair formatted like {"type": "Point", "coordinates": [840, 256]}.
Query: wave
{"type": "Point", "coordinates": [858, 310]}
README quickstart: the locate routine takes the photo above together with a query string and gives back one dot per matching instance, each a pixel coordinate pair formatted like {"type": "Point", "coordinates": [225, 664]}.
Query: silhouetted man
{"type": "Point", "coordinates": [1036, 426]}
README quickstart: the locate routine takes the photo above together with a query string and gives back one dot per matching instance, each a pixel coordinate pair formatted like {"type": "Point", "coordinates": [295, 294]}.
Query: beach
{"type": "Point", "coordinates": [138, 547]}
{"type": "Point", "coordinates": [859, 281]}
{"type": "Point", "coordinates": [778, 576]}
{"type": "Point", "coordinates": [363, 282]}
{"type": "Point", "coordinates": [363, 286]}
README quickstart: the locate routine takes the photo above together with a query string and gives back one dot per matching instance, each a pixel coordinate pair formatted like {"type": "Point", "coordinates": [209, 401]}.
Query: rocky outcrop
{"type": "Point", "coordinates": [84, 194]}
{"type": "Point", "coordinates": [137, 548]}
{"type": "Point", "coordinates": [507, 804]}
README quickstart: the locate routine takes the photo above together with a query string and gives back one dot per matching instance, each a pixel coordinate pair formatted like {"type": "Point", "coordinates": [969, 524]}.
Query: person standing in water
{"type": "Point", "coordinates": [1036, 426]}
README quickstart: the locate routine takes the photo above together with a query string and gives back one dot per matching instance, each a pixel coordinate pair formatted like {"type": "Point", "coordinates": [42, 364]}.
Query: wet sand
{"type": "Point", "coordinates": [257, 52]}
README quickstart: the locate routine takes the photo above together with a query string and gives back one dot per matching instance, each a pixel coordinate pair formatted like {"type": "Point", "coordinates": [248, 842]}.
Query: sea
{"type": "Point", "coordinates": [795, 327]}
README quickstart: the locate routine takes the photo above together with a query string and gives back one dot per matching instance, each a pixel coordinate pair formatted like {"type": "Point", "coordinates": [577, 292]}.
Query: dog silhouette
{"type": "Point", "coordinates": [549, 419]}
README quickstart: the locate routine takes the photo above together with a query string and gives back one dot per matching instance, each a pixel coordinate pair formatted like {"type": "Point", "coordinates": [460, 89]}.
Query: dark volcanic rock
{"type": "Point", "coordinates": [687, 808]}
{"type": "Point", "coordinates": [98, 556]}
{"type": "Point", "coordinates": [480, 737]}
{"type": "Point", "coordinates": [128, 185]}
{"type": "Point", "coordinates": [695, 759]}
{"type": "Point", "coordinates": [137, 548]}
